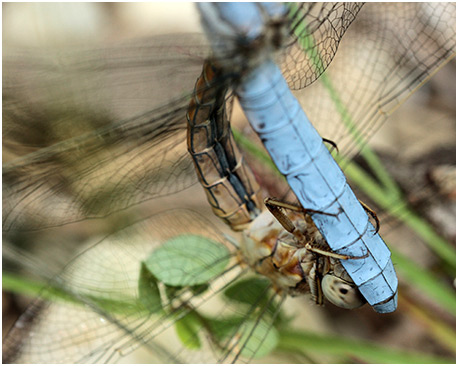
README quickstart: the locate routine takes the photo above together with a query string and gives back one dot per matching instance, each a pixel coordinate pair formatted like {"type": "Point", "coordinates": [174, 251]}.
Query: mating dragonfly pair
{"type": "Point", "coordinates": [152, 286]}
{"type": "Point", "coordinates": [300, 155]}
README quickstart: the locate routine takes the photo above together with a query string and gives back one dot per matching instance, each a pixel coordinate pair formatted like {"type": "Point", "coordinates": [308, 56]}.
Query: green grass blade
{"type": "Point", "coordinates": [425, 281]}
{"type": "Point", "coordinates": [296, 341]}
{"type": "Point", "coordinates": [23, 286]}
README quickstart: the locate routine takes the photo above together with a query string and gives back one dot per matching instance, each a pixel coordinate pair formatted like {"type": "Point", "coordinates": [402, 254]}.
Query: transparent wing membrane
{"type": "Point", "coordinates": [389, 51]}
{"type": "Point", "coordinates": [70, 115]}
{"type": "Point", "coordinates": [98, 311]}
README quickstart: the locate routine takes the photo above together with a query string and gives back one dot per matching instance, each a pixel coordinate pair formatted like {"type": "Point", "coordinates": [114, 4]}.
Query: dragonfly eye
{"type": "Point", "coordinates": [341, 293]}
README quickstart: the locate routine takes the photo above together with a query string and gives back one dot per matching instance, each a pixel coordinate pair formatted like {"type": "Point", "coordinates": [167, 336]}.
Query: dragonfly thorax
{"type": "Point", "coordinates": [248, 37]}
{"type": "Point", "coordinates": [293, 269]}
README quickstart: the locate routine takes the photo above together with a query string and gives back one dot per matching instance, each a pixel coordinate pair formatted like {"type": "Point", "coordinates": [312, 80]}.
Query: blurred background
{"type": "Point", "coordinates": [416, 144]}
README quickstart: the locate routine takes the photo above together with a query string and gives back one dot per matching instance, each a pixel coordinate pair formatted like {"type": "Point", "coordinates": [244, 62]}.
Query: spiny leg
{"type": "Point", "coordinates": [275, 203]}
{"type": "Point", "coordinates": [330, 253]}
{"type": "Point", "coordinates": [314, 283]}
{"type": "Point", "coordinates": [372, 214]}
{"type": "Point", "coordinates": [275, 210]}
{"type": "Point", "coordinates": [275, 206]}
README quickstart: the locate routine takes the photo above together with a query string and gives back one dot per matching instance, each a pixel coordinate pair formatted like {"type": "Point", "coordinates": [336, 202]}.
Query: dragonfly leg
{"type": "Point", "coordinates": [314, 283]}
{"type": "Point", "coordinates": [273, 203]}
{"type": "Point", "coordinates": [372, 214]}
{"type": "Point", "coordinates": [330, 253]}
{"type": "Point", "coordinates": [332, 143]}
{"type": "Point", "coordinates": [274, 206]}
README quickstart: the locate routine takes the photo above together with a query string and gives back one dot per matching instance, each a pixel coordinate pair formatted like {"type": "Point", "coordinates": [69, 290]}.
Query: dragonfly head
{"type": "Point", "coordinates": [342, 293]}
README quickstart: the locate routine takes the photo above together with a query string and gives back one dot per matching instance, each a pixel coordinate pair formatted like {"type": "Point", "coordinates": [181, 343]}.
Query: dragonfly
{"type": "Point", "coordinates": [109, 328]}
{"type": "Point", "coordinates": [298, 151]}
{"type": "Point", "coordinates": [234, 195]}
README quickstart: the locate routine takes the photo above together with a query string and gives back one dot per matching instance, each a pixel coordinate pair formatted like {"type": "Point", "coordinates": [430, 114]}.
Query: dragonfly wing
{"type": "Point", "coordinates": [75, 150]}
{"type": "Point", "coordinates": [387, 53]}
{"type": "Point", "coordinates": [316, 31]}
{"type": "Point", "coordinates": [99, 311]}
{"type": "Point", "coordinates": [120, 79]}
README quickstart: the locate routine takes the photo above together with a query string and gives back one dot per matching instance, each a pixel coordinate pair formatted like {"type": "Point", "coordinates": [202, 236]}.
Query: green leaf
{"type": "Point", "coordinates": [171, 291]}
{"type": "Point", "coordinates": [199, 289]}
{"type": "Point", "coordinates": [258, 338]}
{"type": "Point", "coordinates": [148, 290]}
{"type": "Point", "coordinates": [188, 260]}
{"type": "Point", "coordinates": [252, 291]}
{"type": "Point", "coordinates": [187, 329]}
{"type": "Point", "coordinates": [221, 327]}
{"type": "Point", "coordinates": [262, 340]}
{"type": "Point", "coordinates": [248, 291]}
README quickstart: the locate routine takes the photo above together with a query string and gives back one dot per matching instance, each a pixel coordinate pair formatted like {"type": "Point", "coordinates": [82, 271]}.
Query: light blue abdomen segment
{"type": "Point", "coordinates": [318, 182]}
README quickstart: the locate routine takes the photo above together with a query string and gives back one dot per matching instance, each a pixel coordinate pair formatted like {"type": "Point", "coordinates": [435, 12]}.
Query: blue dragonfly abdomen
{"type": "Point", "coordinates": [319, 184]}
